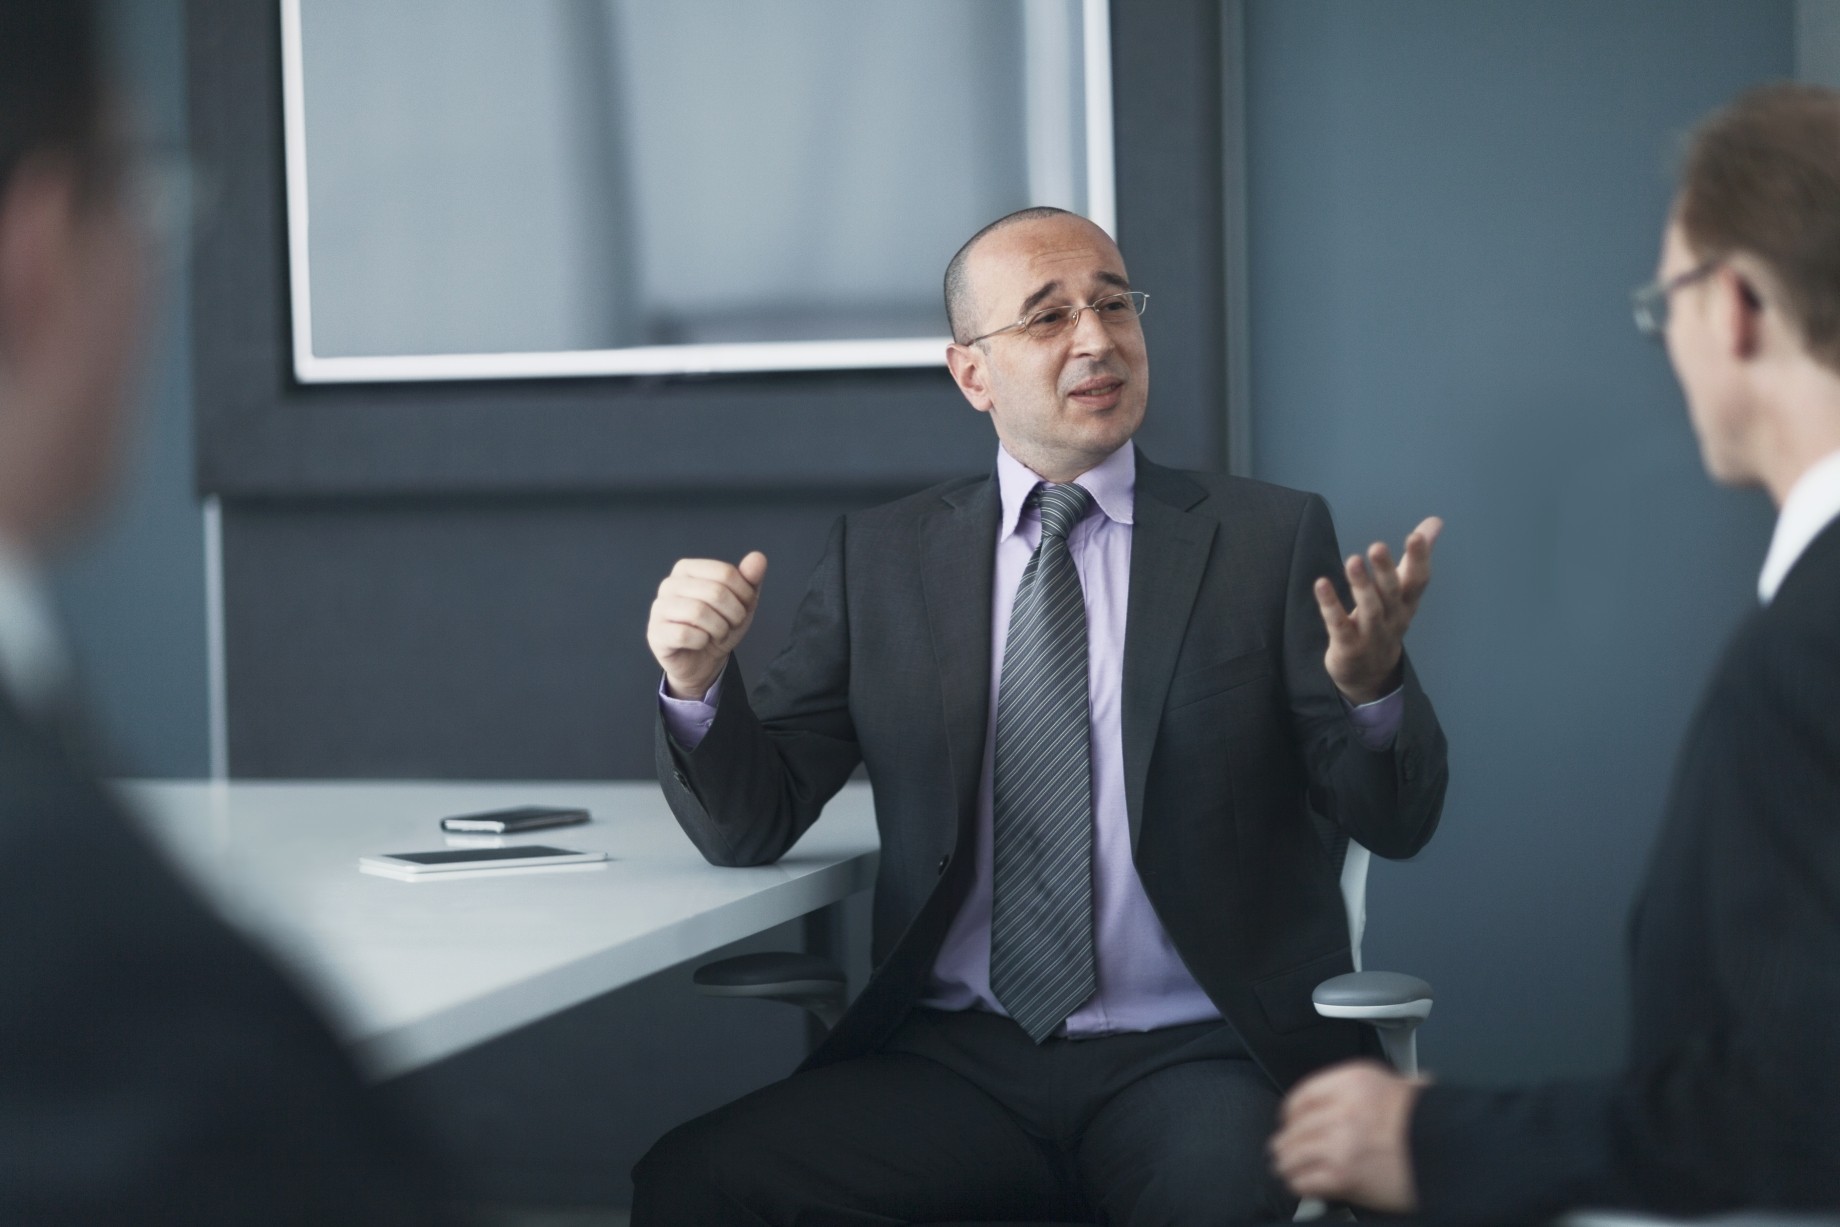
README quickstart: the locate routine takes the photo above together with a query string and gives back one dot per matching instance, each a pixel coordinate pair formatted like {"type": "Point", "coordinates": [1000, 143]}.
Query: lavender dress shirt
{"type": "Point", "coordinates": [1143, 984]}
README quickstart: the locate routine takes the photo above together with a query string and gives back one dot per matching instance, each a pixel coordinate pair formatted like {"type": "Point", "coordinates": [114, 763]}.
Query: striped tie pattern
{"type": "Point", "coordinates": [1041, 940]}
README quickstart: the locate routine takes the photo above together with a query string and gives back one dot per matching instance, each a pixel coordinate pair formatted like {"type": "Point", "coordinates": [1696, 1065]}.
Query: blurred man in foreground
{"type": "Point", "coordinates": [156, 1070]}
{"type": "Point", "coordinates": [1731, 1097]}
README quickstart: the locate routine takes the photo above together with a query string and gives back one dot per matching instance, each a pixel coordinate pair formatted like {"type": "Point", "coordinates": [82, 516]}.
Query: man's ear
{"type": "Point", "coordinates": [966, 362]}
{"type": "Point", "coordinates": [1740, 310]}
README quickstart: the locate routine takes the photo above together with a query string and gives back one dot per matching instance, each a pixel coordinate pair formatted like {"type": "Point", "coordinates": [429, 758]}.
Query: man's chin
{"type": "Point", "coordinates": [1724, 468]}
{"type": "Point", "coordinates": [1113, 428]}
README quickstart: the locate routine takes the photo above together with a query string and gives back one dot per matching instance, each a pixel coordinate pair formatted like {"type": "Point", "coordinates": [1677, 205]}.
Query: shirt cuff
{"type": "Point", "coordinates": [1376, 723]}
{"type": "Point", "coordinates": [688, 720]}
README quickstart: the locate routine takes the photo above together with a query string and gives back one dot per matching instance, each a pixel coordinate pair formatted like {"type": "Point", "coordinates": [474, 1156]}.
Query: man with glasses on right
{"type": "Point", "coordinates": [1731, 1094]}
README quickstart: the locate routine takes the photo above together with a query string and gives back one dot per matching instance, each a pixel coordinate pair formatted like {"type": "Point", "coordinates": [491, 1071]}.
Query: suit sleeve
{"type": "Point", "coordinates": [768, 764]}
{"type": "Point", "coordinates": [1741, 1105]}
{"type": "Point", "coordinates": [1388, 800]}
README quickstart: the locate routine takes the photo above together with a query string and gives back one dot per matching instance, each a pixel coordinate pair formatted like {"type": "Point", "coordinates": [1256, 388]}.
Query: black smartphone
{"type": "Point", "coordinates": [522, 818]}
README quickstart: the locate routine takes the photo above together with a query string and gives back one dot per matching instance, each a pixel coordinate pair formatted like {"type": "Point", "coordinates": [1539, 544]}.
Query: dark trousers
{"type": "Point", "coordinates": [961, 1118]}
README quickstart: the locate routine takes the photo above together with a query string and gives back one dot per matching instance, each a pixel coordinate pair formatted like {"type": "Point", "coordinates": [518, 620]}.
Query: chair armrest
{"type": "Point", "coordinates": [757, 975]}
{"type": "Point", "coordinates": [805, 980]}
{"type": "Point", "coordinates": [1391, 1003]}
{"type": "Point", "coordinates": [1377, 997]}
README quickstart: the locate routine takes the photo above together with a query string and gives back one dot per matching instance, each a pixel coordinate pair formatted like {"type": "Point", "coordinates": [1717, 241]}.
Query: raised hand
{"type": "Point", "coordinates": [1365, 643]}
{"type": "Point", "coordinates": [702, 610]}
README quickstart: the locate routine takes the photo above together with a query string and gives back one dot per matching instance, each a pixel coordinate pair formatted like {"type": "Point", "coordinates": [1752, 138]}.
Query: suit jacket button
{"type": "Point", "coordinates": [1409, 767]}
{"type": "Point", "coordinates": [942, 863]}
{"type": "Point", "coordinates": [679, 777]}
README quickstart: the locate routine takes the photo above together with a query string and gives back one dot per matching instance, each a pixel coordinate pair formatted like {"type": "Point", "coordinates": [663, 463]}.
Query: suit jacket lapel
{"type": "Point", "coordinates": [958, 545]}
{"type": "Point", "coordinates": [1169, 552]}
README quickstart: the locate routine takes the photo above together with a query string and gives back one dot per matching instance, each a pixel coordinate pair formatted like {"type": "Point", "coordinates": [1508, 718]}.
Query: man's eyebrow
{"type": "Point", "coordinates": [1028, 304]}
{"type": "Point", "coordinates": [1108, 278]}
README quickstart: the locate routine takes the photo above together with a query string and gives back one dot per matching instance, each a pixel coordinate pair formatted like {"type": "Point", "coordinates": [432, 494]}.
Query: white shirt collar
{"type": "Point", "coordinates": [1813, 503]}
{"type": "Point", "coordinates": [33, 667]}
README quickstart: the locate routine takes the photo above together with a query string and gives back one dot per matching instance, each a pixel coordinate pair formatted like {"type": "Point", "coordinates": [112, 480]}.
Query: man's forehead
{"type": "Point", "coordinates": [1019, 258]}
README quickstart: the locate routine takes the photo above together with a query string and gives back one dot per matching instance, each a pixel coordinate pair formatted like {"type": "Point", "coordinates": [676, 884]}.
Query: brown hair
{"type": "Point", "coordinates": [51, 90]}
{"type": "Point", "coordinates": [1762, 176]}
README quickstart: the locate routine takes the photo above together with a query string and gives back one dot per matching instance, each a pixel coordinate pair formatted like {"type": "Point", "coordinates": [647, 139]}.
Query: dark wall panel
{"type": "Point", "coordinates": [494, 639]}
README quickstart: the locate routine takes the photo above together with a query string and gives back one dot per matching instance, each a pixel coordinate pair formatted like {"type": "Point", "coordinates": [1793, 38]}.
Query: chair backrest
{"type": "Point", "coordinates": [1350, 860]}
{"type": "Point", "coordinates": [1355, 860]}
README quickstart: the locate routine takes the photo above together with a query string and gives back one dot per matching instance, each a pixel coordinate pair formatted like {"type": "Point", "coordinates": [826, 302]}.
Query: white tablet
{"type": "Point", "coordinates": [417, 864]}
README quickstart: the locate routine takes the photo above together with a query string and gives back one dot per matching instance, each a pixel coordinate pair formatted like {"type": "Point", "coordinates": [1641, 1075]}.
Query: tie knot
{"type": "Point", "coordinates": [1062, 506]}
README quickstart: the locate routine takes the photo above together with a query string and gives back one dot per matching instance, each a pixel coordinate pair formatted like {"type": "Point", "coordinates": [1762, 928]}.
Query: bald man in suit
{"type": "Point", "coordinates": [1161, 789]}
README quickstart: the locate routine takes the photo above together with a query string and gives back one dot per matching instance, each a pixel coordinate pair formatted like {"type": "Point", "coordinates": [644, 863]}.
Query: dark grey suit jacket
{"type": "Point", "coordinates": [1731, 1096]}
{"type": "Point", "coordinates": [1232, 731]}
{"type": "Point", "coordinates": [155, 1068]}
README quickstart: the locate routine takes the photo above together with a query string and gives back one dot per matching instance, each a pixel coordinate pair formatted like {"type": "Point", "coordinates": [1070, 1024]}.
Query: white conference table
{"type": "Point", "coordinates": [411, 972]}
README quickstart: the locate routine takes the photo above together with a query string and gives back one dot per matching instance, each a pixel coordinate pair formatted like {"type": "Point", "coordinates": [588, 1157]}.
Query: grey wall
{"type": "Point", "coordinates": [1817, 41]}
{"type": "Point", "coordinates": [1449, 205]}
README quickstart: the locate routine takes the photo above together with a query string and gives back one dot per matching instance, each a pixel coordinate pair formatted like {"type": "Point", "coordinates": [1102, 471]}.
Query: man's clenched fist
{"type": "Point", "coordinates": [703, 609]}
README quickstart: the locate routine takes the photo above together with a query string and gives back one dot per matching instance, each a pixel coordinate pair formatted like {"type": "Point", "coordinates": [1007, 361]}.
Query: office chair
{"type": "Point", "coordinates": [1392, 1003]}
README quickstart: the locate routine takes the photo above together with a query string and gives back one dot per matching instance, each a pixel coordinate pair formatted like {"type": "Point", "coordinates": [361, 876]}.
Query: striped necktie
{"type": "Point", "coordinates": [1041, 940]}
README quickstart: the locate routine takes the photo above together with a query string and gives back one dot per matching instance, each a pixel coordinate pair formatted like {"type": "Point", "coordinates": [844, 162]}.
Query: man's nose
{"type": "Point", "coordinates": [1090, 335]}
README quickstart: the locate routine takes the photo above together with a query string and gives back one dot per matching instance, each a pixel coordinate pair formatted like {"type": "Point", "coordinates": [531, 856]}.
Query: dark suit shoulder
{"type": "Point", "coordinates": [127, 927]}
{"type": "Point", "coordinates": [903, 510]}
{"type": "Point", "coordinates": [173, 1068]}
{"type": "Point", "coordinates": [1243, 491]}
{"type": "Point", "coordinates": [1769, 718]}
{"type": "Point", "coordinates": [1786, 655]}
{"type": "Point", "coordinates": [1810, 593]}
{"type": "Point", "coordinates": [1260, 514]}
{"type": "Point", "coordinates": [1219, 494]}
{"type": "Point", "coordinates": [888, 529]}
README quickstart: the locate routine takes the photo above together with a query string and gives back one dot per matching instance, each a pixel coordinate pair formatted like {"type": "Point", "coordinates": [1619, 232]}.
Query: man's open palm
{"type": "Point", "coordinates": [1365, 644]}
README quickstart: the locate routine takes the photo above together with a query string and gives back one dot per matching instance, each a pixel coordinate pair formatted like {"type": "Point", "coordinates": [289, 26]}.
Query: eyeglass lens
{"type": "Point", "coordinates": [1651, 311]}
{"type": "Point", "coordinates": [1113, 309]}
